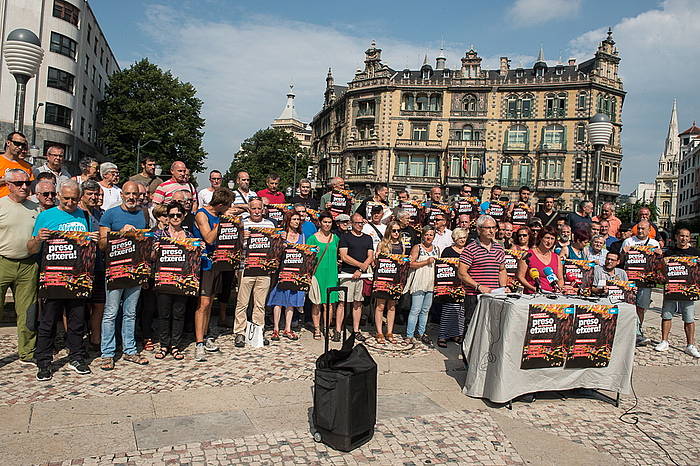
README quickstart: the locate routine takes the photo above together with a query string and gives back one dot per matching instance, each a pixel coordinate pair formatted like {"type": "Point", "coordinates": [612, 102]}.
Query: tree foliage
{"type": "Point", "coordinates": [268, 151]}
{"type": "Point", "coordinates": [143, 102]}
{"type": "Point", "coordinates": [630, 212]}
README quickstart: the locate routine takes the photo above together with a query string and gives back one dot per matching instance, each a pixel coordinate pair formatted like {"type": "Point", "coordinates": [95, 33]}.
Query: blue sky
{"type": "Point", "coordinates": [241, 55]}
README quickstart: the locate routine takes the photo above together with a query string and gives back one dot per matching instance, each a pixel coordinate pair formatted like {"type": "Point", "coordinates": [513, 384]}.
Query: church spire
{"type": "Point", "coordinates": [672, 147]}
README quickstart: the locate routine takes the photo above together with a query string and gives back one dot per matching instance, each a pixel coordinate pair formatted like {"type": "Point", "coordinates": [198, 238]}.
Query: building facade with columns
{"type": "Point", "coordinates": [441, 126]}
{"type": "Point", "coordinates": [666, 183]}
{"type": "Point", "coordinates": [71, 80]}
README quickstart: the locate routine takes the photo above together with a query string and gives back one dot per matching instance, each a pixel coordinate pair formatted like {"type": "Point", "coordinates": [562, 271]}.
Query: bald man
{"type": "Point", "coordinates": [178, 182]}
{"type": "Point", "coordinates": [124, 217]}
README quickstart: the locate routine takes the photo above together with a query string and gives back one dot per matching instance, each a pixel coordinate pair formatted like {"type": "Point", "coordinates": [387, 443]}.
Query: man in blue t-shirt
{"type": "Point", "coordinates": [124, 217]}
{"type": "Point", "coordinates": [65, 217]}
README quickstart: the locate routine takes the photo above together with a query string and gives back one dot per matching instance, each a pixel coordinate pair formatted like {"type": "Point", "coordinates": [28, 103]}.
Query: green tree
{"type": "Point", "coordinates": [143, 102]}
{"type": "Point", "coordinates": [630, 212]}
{"type": "Point", "coordinates": [268, 151]}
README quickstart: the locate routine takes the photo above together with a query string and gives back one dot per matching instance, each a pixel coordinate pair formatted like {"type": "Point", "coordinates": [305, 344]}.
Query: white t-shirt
{"type": "Point", "coordinates": [376, 237]}
{"type": "Point", "coordinates": [444, 240]}
{"type": "Point", "coordinates": [634, 241]}
{"type": "Point", "coordinates": [111, 197]}
{"type": "Point", "coordinates": [204, 197]}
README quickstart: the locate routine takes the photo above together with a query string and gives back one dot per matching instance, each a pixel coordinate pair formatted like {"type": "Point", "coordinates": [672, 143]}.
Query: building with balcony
{"type": "Point", "coordinates": [71, 80]}
{"type": "Point", "coordinates": [689, 176]}
{"type": "Point", "coordinates": [441, 126]}
{"type": "Point", "coordinates": [666, 191]}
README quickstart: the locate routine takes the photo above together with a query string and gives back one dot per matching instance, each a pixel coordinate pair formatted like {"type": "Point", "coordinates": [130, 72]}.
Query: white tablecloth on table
{"type": "Point", "coordinates": [493, 349]}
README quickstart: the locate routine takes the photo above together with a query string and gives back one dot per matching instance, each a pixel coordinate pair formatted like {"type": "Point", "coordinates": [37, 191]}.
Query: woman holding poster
{"type": "Point", "coordinates": [390, 268]}
{"type": "Point", "coordinates": [290, 300]}
{"type": "Point", "coordinates": [452, 316]}
{"type": "Point", "coordinates": [171, 307]}
{"type": "Point", "coordinates": [421, 284]}
{"type": "Point", "coordinates": [326, 273]}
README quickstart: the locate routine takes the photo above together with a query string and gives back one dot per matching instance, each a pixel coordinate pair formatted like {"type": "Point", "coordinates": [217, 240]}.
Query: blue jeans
{"type": "Point", "coordinates": [109, 318]}
{"type": "Point", "coordinates": [420, 305]}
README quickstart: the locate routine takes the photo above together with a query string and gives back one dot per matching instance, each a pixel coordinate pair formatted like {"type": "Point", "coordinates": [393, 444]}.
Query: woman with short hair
{"type": "Point", "coordinates": [421, 284]}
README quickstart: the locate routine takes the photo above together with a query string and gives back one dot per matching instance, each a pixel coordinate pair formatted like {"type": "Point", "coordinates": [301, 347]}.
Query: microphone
{"type": "Point", "coordinates": [535, 276]}
{"type": "Point", "coordinates": [551, 277]}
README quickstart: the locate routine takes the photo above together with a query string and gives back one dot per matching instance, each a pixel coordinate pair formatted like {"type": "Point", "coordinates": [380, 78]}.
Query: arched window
{"type": "Point", "coordinates": [421, 102]}
{"type": "Point", "coordinates": [426, 73]}
{"type": "Point", "coordinates": [469, 103]}
{"type": "Point", "coordinates": [474, 167]}
{"type": "Point", "coordinates": [435, 104]}
{"type": "Point", "coordinates": [467, 133]}
{"type": "Point", "coordinates": [666, 207]}
{"type": "Point", "coordinates": [525, 171]}
{"type": "Point", "coordinates": [519, 107]}
{"type": "Point", "coordinates": [553, 137]}
{"type": "Point", "coordinates": [506, 169]}
{"type": "Point", "coordinates": [408, 102]}
{"type": "Point", "coordinates": [555, 105]}
{"type": "Point", "coordinates": [517, 137]}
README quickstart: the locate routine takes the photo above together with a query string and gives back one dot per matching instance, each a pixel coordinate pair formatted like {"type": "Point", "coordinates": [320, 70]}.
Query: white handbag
{"type": "Point", "coordinates": [253, 335]}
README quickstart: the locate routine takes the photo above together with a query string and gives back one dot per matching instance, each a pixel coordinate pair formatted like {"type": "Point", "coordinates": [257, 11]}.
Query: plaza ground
{"type": "Point", "coordinates": [253, 406]}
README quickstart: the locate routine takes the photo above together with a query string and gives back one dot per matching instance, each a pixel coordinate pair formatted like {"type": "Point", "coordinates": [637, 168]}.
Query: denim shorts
{"type": "Point", "coordinates": [643, 298]}
{"type": "Point", "coordinates": [686, 309]}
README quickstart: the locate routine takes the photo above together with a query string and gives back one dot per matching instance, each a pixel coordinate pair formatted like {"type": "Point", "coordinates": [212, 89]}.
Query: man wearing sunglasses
{"type": "Point", "coordinates": [12, 159]}
{"type": "Point", "coordinates": [55, 156]}
{"type": "Point", "coordinates": [45, 192]}
{"type": "Point", "coordinates": [204, 195]}
{"type": "Point", "coordinates": [18, 269]}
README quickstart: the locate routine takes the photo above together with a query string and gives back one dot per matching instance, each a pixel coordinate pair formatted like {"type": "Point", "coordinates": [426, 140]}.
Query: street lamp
{"type": "Point", "coordinates": [23, 55]}
{"type": "Point", "coordinates": [140, 146]}
{"type": "Point", "coordinates": [36, 110]}
{"type": "Point", "coordinates": [599, 131]}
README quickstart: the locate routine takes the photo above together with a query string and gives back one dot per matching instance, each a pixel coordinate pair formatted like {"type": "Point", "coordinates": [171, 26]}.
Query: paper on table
{"type": "Point", "coordinates": [499, 291]}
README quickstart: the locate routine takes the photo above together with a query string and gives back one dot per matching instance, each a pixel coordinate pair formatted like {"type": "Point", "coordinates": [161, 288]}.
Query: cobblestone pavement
{"type": "Point", "coordinates": [459, 437]}
{"type": "Point", "coordinates": [455, 434]}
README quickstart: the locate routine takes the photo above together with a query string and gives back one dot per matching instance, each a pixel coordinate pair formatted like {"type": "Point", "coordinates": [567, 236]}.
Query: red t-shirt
{"type": "Point", "coordinates": [274, 198]}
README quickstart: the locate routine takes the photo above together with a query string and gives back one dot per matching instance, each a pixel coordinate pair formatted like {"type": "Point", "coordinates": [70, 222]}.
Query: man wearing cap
{"type": "Point", "coordinates": [111, 194]}
{"type": "Point", "coordinates": [18, 269]}
{"type": "Point", "coordinates": [342, 222]}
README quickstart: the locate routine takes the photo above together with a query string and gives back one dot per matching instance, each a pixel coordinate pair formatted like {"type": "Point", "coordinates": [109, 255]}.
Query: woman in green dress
{"type": "Point", "coordinates": [326, 274]}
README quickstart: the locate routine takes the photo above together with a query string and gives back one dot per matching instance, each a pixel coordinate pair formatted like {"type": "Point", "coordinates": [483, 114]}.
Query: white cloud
{"type": "Point", "coordinates": [532, 12]}
{"type": "Point", "coordinates": [659, 52]}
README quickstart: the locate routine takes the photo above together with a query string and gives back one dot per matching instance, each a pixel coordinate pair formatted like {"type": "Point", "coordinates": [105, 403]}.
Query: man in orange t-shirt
{"type": "Point", "coordinates": [15, 145]}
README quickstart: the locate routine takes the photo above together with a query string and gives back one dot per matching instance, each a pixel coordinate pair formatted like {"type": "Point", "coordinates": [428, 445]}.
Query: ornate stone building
{"type": "Point", "coordinates": [689, 176]}
{"type": "Point", "coordinates": [666, 189]}
{"type": "Point", "coordinates": [290, 122]}
{"type": "Point", "coordinates": [442, 126]}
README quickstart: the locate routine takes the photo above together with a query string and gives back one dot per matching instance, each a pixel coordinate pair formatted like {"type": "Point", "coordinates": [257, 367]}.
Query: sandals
{"type": "Point", "coordinates": [390, 338]}
{"type": "Point", "coordinates": [136, 358]}
{"type": "Point", "coordinates": [161, 354]}
{"type": "Point", "coordinates": [291, 335]}
{"type": "Point", "coordinates": [107, 364]}
{"type": "Point", "coordinates": [317, 334]}
{"type": "Point", "coordinates": [442, 343]}
{"type": "Point", "coordinates": [148, 345]}
{"type": "Point", "coordinates": [177, 355]}
{"type": "Point", "coordinates": [380, 339]}
{"type": "Point", "coordinates": [275, 335]}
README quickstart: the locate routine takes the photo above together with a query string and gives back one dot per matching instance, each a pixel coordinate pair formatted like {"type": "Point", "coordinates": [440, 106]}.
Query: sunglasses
{"type": "Point", "coordinates": [48, 194]}
{"type": "Point", "coordinates": [70, 198]}
{"type": "Point", "coordinates": [20, 183]}
{"type": "Point", "coordinates": [395, 230]}
{"type": "Point", "coordinates": [18, 143]}
{"type": "Point", "coordinates": [175, 215]}
{"type": "Point", "coordinates": [521, 236]}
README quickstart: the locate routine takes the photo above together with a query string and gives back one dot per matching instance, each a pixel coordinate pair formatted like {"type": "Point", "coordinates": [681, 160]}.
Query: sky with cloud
{"type": "Point", "coordinates": [242, 55]}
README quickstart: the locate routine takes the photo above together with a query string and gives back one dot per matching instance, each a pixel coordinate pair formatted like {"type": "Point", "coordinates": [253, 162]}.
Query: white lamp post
{"type": "Point", "coordinates": [23, 55]}
{"type": "Point", "coordinates": [599, 130]}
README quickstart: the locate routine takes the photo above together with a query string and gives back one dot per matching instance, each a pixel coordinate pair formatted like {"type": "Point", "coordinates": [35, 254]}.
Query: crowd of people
{"type": "Point", "coordinates": [348, 236]}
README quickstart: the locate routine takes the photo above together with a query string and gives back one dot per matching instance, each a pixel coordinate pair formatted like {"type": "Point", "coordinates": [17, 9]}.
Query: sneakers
{"type": "Point", "coordinates": [240, 341]}
{"type": "Point", "coordinates": [663, 346]}
{"type": "Point", "coordinates": [44, 374]}
{"type": "Point", "coordinates": [28, 362]}
{"type": "Point", "coordinates": [425, 339]}
{"type": "Point", "coordinates": [336, 336]}
{"type": "Point", "coordinates": [80, 367]}
{"type": "Point", "coordinates": [692, 351]}
{"type": "Point", "coordinates": [210, 346]}
{"type": "Point", "coordinates": [642, 341]}
{"type": "Point", "coordinates": [200, 354]}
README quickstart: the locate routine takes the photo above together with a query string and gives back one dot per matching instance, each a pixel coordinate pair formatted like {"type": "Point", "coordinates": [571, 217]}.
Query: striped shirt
{"type": "Point", "coordinates": [483, 265]}
{"type": "Point", "coordinates": [164, 192]}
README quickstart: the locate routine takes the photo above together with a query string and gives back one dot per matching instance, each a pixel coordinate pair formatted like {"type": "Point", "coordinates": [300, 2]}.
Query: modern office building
{"type": "Point", "coordinates": [71, 81]}
{"type": "Point", "coordinates": [436, 126]}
